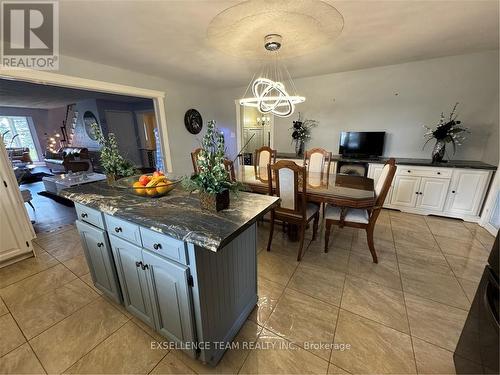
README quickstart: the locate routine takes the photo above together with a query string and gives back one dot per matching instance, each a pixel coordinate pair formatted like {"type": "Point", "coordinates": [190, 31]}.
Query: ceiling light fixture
{"type": "Point", "coordinates": [270, 95]}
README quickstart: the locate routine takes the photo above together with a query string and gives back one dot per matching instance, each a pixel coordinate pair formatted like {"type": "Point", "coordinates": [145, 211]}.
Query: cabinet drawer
{"type": "Point", "coordinates": [89, 215]}
{"type": "Point", "coordinates": [163, 245]}
{"type": "Point", "coordinates": [123, 229]}
{"type": "Point", "coordinates": [424, 172]}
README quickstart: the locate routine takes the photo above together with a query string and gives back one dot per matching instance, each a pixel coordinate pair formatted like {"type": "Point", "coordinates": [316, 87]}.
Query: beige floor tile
{"type": "Point", "coordinates": [409, 222]}
{"type": "Point", "coordinates": [149, 330]}
{"type": "Point", "coordinates": [233, 358]}
{"type": "Point", "coordinates": [466, 268]}
{"type": "Point", "coordinates": [435, 322]}
{"type": "Point", "coordinates": [434, 286]}
{"type": "Point", "coordinates": [171, 364]}
{"type": "Point", "coordinates": [3, 308]}
{"type": "Point", "coordinates": [315, 282]}
{"type": "Point", "coordinates": [63, 344]}
{"type": "Point", "coordinates": [268, 292]}
{"type": "Point", "coordinates": [275, 355]}
{"type": "Point", "coordinates": [432, 359]}
{"type": "Point", "coordinates": [375, 302]}
{"type": "Point", "coordinates": [410, 238]}
{"type": "Point", "coordinates": [11, 335]}
{"type": "Point", "coordinates": [470, 248]}
{"type": "Point", "coordinates": [304, 321]}
{"type": "Point", "coordinates": [339, 238]}
{"type": "Point", "coordinates": [21, 361]}
{"type": "Point", "coordinates": [485, 237]}
{"type": "Point", "coordinates": [383, 256]}
{"type": "Point", "coordinates": [360, 243]}
{"type": "Point", "coordinates": [332, 369]}
{"type": "Point", "coordinates": [448, 227]}
{"type": "Point", "coordinates": [374, 348]}
{"type": "Point", "coordinates": [77, 265]}
{"type": "Point", "coordinates": [126, 351]}
{"type": "Point", "coordinates": [276, 267]}
{"type": "Point", "coordinates": [36, 285]}
{"type": "Point", "coordinates": [25, 268]}
{"type": "Point", "coordinates": [38, 314]}
{"type": "Point", "coordinates": [87, 279]}
{"type": "Point", "coordinates": [336, 259]}
{"type": "Point", "coordinates": [385, 272]}
{"type": "Point", "coordinates": [67, 250]}
{"type": "Point", "coordinates": [53, 241]}
{"type": "Point", "coordinates": [469, 287]}
{"type": "Point", "coordinates": [427, 259]}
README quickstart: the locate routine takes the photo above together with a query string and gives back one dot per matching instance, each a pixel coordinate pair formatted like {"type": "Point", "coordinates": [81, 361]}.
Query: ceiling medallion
{"type": "Point", "coordinates": [269, 92]}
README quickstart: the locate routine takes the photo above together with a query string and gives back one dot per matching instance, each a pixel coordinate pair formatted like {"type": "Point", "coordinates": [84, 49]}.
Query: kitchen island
{"type": "Point", "coordinates": [190, 274]}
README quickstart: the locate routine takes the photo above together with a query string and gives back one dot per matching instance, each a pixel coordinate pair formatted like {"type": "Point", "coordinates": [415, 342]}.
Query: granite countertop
{"type": "Point", "coordinates": [177, 214]}
{"type": "Point", "coordinates": [473, 164]}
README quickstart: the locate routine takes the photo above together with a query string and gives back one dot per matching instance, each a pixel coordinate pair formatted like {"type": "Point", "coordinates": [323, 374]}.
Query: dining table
{"type": "Point", "coordinates": [337, 189]}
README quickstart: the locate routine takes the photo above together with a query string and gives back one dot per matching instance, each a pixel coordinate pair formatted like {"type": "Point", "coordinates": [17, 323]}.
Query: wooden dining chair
{"type": "Point", "coordinates": [293, 209]}
{"type": "Point", "coordinates": [229, 167]}
{"type": "Point", "coordinates": [362, 218]}
{"type": "Point", "coordinates": [264, 156]}
{"type": "Point", "coordinates": [318, 160]}
{"type": "Point", "coordinates": [195, 155]}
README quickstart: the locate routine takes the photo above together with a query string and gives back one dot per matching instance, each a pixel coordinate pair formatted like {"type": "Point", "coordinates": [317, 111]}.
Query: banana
{"type": "Point", "coordinates": [156, 180]}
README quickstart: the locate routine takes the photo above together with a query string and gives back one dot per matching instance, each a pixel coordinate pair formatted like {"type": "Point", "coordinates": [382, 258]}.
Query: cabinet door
{"type": "Point", "coordinates": [171, 296]}
{"type": "Point", "coordinates": [432, 193]}
{"type": "Point", "coordinates": [99, 259]}
{"type": "Point", "coordinates": [132, 278]}
{"type": "Point", "coordinates": [467, 191]}
{"type": "Point", "coordinates": [374, 172]}
{"type": "Point", "coordinates": [405, 191]}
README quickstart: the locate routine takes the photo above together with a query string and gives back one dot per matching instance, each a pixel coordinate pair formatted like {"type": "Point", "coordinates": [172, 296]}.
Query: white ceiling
{"type": "Point", "coordinates": [31, 95]}
{"type": "Point", "coordinates": [169, 38]}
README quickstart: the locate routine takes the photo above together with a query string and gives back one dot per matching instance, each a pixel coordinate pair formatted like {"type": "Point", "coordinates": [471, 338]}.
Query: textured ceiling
{"type": "Point", "coordinates": [170, 38]}
{"type": "Point", "coordinates": [31, 95]}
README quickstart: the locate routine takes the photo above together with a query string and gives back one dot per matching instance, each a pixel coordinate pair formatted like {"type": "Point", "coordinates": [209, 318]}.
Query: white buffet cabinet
{"type": "Point", "coordinates": [453, 192]}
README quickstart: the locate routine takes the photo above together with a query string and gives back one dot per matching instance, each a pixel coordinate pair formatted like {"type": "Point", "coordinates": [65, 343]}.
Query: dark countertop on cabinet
{"type": "Point", "coordinates": [472, 164]}
{"type": "Point", "coordinates": [177, 214]}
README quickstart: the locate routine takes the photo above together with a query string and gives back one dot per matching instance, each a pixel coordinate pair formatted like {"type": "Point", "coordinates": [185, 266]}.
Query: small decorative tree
{"type": "Point", "coordinates": [213, 181]}
{"type": "Point", "coordinates": [114, 165]}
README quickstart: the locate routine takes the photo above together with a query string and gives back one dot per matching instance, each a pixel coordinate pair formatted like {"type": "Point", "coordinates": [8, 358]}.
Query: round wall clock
{"type": "Point", "coordinates": [193, 121]}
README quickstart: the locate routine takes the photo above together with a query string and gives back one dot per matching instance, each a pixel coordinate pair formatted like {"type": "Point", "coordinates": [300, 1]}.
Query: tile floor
{"type": "Point", "coordinates": [403, 315]}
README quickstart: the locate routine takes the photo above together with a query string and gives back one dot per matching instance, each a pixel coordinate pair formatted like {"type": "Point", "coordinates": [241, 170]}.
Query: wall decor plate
{"type": "Point", "coordinates": [193, 121]}
{"type": "Point", "coordinates": [89, 119]}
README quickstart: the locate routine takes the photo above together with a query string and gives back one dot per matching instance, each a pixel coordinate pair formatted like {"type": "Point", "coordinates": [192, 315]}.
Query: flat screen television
{"type": "Point", "coordinates": [361, 144]}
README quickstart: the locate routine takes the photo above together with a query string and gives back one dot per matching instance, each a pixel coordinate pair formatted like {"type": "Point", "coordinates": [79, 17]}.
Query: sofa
{"type": "Point", "coordinates": [74, 159]}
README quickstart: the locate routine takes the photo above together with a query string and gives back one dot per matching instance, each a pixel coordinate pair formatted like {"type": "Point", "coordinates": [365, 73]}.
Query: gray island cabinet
{"type": "Point", "coordinates": [189, 274]}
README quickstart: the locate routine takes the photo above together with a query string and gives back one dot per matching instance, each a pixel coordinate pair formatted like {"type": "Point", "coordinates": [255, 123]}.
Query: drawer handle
{"type": "Point", "coordinates": [118, 229]}
{"type": "Point", "coordinates": [138, 264]}
{"type": "Point", "coordinates": [100, 244]}
{"type": "Point", "coordinates": [84, 215]}
{"type": "Point", "coordinates": [439, 173]}
{"type": "Point", "coordinates": [416, 192]}
{"type": "Point", "coordinates": [157, 246]}
{"type": "Point", "coordinates": [453, 191]}
{"type": "Point", "coordinates": [144, 267]}
{"type": "Point", "coordinates": [409, 171]}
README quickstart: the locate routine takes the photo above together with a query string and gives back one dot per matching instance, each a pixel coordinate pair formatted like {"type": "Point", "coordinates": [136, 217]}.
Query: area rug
{"type": "Point", "coordinates": [57, 198]}
{"type": "Point", "coordinates": [29, 178]}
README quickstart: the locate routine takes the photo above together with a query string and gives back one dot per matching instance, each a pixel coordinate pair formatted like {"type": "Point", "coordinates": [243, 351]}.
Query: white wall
{"type": "Point", "coordinates": [179, 98]}
{"type": "Point", "coordinates": [397, 99]}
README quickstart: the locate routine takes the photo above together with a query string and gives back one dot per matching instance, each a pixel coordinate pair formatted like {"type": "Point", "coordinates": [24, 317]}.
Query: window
{"type": "Point", "coordinates": [17, 132]}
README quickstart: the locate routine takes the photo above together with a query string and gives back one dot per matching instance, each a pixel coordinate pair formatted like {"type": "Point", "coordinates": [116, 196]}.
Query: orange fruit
{"type": "Point", "coordinates": [144, 179]}
{"type": "Point", "coordinates": [162, 187]}
{"type": "Point", "coordinates": [138, 188]}
{"type": "Point", "coordinates": [151, 191]}
{"type": "Point", "coordinates": [158, 174]}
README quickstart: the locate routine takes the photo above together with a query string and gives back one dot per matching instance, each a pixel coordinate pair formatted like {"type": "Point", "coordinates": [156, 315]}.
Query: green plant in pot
{"type": "Point", "coordinates": [448, 130]}
{"type": "Point", "coordinates": [115, 165]}
{"type": "Point", "coordinates": [213, 181]}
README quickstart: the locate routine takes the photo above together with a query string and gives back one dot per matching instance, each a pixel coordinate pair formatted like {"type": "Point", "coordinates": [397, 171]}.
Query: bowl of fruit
{"type": "Point", "coordinates": [152, 185]}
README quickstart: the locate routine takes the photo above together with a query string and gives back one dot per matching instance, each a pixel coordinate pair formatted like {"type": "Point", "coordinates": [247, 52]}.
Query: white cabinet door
{"type": "Point", "coordinates": [405, 192]}
{"type": "Point", "coordinates": [467, 191]}
{"type": "Point", "coordinates": [432, 193]}
{"type": "Point", "coordinates": [374, 172]}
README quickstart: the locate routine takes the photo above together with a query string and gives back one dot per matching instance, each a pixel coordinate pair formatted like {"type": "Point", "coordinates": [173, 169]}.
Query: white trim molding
{"type": "Point", "coordinates": [55, 79]}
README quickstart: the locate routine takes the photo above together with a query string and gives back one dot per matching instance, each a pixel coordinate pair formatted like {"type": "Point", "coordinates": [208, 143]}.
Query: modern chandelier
{"type": "Point", "coordinates": [270, 95]}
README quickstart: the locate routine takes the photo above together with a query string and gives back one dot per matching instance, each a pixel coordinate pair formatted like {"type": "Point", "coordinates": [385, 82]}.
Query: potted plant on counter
{"type": "Point", "coordinates": [115, 166]}
{"type": "Point", "coordinates": [448, 130]}
{"type": "Point", "coordinates": [213, 181]}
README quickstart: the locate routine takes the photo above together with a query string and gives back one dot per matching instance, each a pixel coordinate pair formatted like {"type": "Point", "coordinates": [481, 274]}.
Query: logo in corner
{"type": "Point", "coordinates": [30, 35]}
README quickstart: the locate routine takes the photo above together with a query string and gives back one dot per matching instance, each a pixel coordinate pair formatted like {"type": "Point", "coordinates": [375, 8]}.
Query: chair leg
{"type": "Point", "coordinates": [271, 231]}
{"type": "Point", "coordinates": [31, 204]}
{"type": "Point", "coordinates": [328, 229]}
{"type": "Point", "coordinates": [371, 244]}
{"type": "Point", "coordinates": [302, 235]}
{"type": "Point", "coordinates": [315, 225]}
{"type": "Point", "coordinates": [323, 207]}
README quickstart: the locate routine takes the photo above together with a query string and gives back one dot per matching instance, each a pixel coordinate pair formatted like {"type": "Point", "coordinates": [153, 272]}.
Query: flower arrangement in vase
{"type": "Point", "coordinates": [448, 130]}
{"type": "Point", "coordinates": [115, 165]}
{"type": "Point", "coordinates": [301, 133]}
{"type": "Point", "coordinates": [213, 181]}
